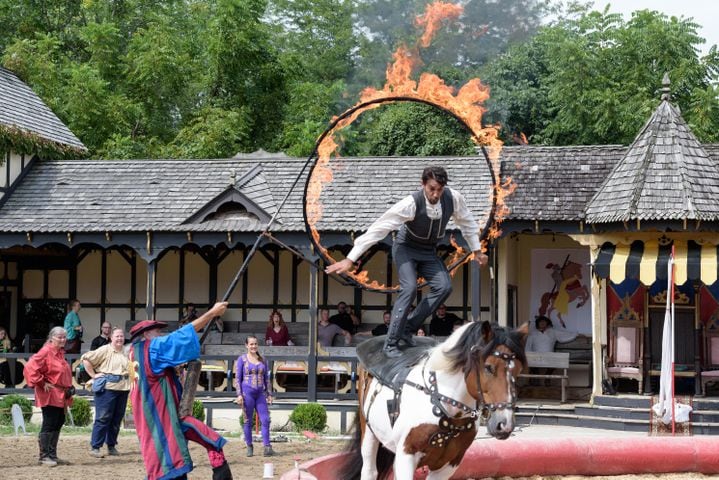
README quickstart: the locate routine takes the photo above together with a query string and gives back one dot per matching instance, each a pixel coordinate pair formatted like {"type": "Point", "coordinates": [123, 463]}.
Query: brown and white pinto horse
{"type": "Point", "coordinates": [468, 377]}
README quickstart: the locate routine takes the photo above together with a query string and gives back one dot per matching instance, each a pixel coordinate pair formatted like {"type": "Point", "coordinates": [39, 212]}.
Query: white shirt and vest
{"type": "Point", "coordinates": [404, 211]}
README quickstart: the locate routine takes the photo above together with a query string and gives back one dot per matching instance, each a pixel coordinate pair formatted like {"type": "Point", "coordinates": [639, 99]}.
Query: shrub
{"type": "Point", "coordinates": [309, 416]}
{"type": "Point", "coordinates": [81, 412]}
{"type": "Point", "coordinates": [6, 404]}
{"type": "Point", "coordinates": [198, 410]}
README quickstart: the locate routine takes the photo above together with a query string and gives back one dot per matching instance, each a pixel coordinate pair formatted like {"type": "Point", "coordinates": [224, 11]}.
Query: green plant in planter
{"type": "Point", "coordinates": [6, 404]}
{"type": "Point", "coordinates": [198, 410]}
{"type": "Point", "coordinates": [81, 412]}
{"type": "Point", "coordinates": [309, 416]}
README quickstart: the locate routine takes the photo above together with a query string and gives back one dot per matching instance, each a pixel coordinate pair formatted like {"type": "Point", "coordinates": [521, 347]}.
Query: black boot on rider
{"type": "Point", "coordinates": [391, 343]}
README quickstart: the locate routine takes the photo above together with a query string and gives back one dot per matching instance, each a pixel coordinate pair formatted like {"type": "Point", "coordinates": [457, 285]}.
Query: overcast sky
{"type": "Point", "coordinates": [704, 12]}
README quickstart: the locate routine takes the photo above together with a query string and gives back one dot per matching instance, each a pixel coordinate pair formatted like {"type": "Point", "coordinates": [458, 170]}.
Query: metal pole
{"type": "Point", "coordinates": [312, 363]}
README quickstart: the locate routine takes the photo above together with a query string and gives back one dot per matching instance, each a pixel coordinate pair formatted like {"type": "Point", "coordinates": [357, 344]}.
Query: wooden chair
{"type": "Point", "coordinates": [710, 372]}
{"type": "Point", "coordinates": [626, 347]}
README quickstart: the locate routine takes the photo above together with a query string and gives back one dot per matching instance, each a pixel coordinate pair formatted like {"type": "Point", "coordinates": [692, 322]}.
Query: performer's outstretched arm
{"type": "Point", "coordinates": [401, 212]}
{"type": "Point", "coordinates": [217, 310]}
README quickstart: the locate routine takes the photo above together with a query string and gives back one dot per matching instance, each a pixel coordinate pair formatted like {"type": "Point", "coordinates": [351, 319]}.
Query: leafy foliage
{"type": "Point", "coordinates": [416, 129]}
{"type": "Point", "coordinates": [309, 416]}
{"type": "Point", "coordinates": [594, 78]}
{"type": "Point", "coordinates": [198, 410]}
{"type": "Point", "coordinates": [206, 79]}
{"type": "Point", "coordinates": [6, 404]}
{"type": "Point", "coordinates": [81, 411]}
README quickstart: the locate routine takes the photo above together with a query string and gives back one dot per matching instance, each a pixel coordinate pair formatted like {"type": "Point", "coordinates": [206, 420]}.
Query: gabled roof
{"type": "Point", "coordinates": [139, 195]}
{"type": "Point", "coordinates": [21, 108]}
{"type": "Point", "coordinates": [251, 191]}
{"type": "Point", "coordinates": [665, 174]}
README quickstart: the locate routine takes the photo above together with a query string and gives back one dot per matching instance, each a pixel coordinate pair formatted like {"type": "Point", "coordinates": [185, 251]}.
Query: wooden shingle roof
{"type": "Point", "coordinates": [555, 183]}
{"type": "Point", "coordinates": [21, 108]}
{"type": "Point", "coordinates": [161, 195]}
{"type": "Point", "coordinates": [665, 174]}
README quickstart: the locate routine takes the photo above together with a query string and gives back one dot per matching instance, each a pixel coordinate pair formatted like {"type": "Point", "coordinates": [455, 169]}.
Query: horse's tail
{"type": "Point", "coordinates": [352, 467]}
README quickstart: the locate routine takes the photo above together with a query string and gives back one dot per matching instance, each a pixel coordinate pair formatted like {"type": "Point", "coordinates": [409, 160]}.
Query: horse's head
{"type": "Point", "coordinates": [491, 358]}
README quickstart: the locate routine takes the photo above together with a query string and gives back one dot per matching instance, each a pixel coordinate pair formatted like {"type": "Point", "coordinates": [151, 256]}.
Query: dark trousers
{"type": "Point", "coordinates": [109, 411]}
{"type": "Point", "coordinates": [412, 263]}
{"type": "Point", "coordinates": [53, 418]}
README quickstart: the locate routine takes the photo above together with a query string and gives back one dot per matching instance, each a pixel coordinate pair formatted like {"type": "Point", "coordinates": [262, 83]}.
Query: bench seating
{"type": "Point", "coordinates": [555, 360]}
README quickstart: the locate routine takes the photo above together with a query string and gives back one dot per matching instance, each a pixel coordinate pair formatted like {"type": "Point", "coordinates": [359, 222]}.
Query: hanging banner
{"type": "Point", "coordinates": [560, 288]}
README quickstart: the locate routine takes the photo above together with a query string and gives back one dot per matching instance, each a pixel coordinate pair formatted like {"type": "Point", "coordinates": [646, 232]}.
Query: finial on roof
{"type": "Point", "coordinates": [666, 91]}
{"type": "Point", "coordinates": [233, 176]}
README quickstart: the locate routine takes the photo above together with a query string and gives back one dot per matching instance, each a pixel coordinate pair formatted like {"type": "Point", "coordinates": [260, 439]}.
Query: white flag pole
{"type": "Point", "coordinates": [671, 292]}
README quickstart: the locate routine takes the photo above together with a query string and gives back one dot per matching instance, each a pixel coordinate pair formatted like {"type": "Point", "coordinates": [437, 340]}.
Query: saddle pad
{"type": "Point", "coordinates": [392, 372]}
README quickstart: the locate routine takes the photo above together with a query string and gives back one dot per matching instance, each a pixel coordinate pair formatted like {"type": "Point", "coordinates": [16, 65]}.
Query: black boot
{"type": "Point", "coordinates": [54, 438]}
{"type": "Point", "coordinates": [222, 472]}
{"type": "Point", "coordinates": [43, 440]}
{"type": "Point", "coordinates": [391, 343]}
{"type": "Point", "coordinates": [408, 339]}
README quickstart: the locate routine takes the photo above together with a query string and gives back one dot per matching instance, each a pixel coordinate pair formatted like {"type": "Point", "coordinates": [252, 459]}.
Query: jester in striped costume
{"type": "Point", "coordinates": [155, 396]}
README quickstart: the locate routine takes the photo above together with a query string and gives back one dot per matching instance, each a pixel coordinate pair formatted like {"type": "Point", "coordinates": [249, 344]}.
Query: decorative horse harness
{"type": "Point", "coordinates": [451, 427]}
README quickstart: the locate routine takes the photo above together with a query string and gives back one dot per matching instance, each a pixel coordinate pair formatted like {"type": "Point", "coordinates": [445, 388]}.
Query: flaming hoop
{"type": "Point", "coordinates": [320, 173]}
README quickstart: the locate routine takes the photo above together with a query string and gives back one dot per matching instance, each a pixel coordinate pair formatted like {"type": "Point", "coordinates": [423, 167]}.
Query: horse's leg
{"type": "Point", "coordinates": [369, 448]}
{"type": "Point", "coordinates": [404, 465]}
{"type": "Point", "coordinates": [443, 473]}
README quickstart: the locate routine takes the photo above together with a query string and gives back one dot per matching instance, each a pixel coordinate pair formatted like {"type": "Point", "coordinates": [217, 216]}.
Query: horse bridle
{"type": "Point", "coordinates": [482, 408]}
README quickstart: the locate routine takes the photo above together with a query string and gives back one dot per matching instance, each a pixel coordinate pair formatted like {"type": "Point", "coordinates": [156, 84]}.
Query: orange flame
{"type": "Point", "coordinates": [433, 17]}
{"type": "Point", "coordinates": [466, 104]}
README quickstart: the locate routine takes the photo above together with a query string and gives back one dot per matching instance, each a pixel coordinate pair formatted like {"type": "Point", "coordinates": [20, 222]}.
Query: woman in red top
{"type": "Point", "coordinates": [49, 374]}
{"type": "Point", "coordinates": [277, 334]}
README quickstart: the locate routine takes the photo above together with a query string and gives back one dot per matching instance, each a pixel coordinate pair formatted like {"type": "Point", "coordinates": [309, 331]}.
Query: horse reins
{"type": "Point", "coordinates": [482, 408]}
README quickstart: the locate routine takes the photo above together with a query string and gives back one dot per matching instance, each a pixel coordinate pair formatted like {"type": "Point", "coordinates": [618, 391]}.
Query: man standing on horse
{"type": "Point", "coordinates": [421, 219]}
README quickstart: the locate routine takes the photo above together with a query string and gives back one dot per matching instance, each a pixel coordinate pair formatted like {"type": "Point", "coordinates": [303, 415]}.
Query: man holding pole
{"type": "Point", "coordinates": [421, 219]}
{"type": "Point", "coordinates": [155, 398]}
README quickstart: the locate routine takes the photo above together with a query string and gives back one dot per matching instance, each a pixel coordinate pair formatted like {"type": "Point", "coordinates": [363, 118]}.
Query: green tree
{"type": "Point", "coordinates": [316, 41]}
{"type": "Point", "coordinates": [415, 129]}
{"type": "Point", "coordinates": [594, 78]}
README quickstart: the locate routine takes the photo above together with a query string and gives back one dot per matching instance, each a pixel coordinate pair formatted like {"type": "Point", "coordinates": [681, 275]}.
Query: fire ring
{"type": "Point", "coordinates": [337, 124]}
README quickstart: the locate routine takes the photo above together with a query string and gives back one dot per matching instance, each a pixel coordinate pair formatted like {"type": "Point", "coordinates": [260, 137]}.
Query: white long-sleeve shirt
{"type": "Point", "coordinates": [545, 341]}
{"type": "Point", "coordinates": [404, 211]}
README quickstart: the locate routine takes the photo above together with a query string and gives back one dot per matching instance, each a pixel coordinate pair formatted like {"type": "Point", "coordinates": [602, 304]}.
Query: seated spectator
{"type": "Point", "coordinates": [421, 332]}
{"type": "Point", "coordinates": [103, 338]}
{"type": "Point", "coordinates": [326, 331]}
{"type": "Point", "coordinates": [543, 338]}
{"type": "Point", "coordinates": [5, 347]}
{"type": "Point", "coordinates": [277, 333]}
{"type": "Point", "coordinates": [190, 314]}
{"type": "Point", "coordinates": [379, 329]}
{"type": "Point", "coordinates": [442, 323]}
{"type": "Point", "coordinates": [342, 318]}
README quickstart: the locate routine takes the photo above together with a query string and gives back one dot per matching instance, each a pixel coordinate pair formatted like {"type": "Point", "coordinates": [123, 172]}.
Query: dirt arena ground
{"type": "Point", "coordinates": [19, 460]}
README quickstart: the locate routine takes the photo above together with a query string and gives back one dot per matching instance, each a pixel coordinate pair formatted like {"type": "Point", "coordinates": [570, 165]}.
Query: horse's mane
{"type": "Point", "coordinates": [460, 350]}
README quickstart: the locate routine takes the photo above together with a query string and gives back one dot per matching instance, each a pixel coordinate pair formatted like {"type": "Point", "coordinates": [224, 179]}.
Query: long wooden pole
{"type": "Point", "coordinates": [194, 367]}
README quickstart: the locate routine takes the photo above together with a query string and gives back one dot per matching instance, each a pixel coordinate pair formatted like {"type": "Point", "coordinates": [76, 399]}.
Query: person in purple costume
{"type": "Point", "coordinates": [252, 381]}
